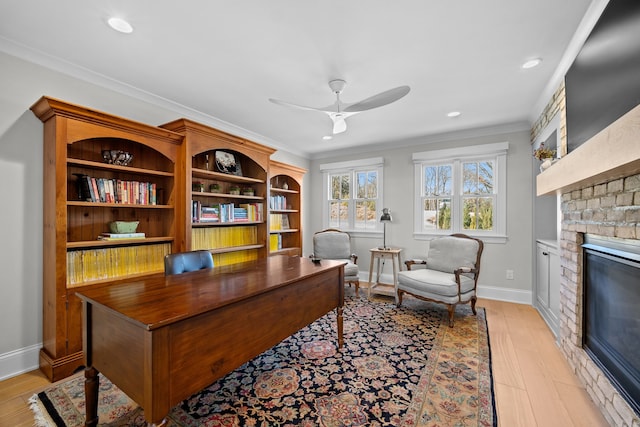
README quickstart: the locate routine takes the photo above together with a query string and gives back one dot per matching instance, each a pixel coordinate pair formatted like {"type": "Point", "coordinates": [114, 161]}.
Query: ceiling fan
{"type": "Point", "coordinates": [339, 111]}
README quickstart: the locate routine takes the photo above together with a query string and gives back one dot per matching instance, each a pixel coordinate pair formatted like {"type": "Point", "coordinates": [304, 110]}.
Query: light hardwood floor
{"type": "Point", "coordinates": [533, 383]}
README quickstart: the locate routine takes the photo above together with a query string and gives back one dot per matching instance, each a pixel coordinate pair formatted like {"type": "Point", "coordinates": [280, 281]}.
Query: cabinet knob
{"type": "Point", "coordinates": [545, 253]}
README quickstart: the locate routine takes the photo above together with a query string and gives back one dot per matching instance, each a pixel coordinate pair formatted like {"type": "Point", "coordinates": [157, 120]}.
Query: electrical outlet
{"type": "Point", "coordinates": [509, 274]}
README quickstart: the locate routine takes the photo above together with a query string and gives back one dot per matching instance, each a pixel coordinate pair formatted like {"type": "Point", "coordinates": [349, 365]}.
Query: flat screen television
{"type": "Point", "coordinates": [603, 83]}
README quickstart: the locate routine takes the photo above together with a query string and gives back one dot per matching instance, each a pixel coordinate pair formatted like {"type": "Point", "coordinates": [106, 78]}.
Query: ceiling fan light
{"type": "Point", "coordinates": [120, 25]}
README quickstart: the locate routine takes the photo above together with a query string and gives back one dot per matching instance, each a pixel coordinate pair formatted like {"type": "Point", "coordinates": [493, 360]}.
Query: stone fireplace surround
{"type": "Point", "coordinates": [599, 185]}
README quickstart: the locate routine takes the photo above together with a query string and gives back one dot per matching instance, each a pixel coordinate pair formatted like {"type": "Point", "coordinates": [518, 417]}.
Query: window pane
{"type": "Point", "coordinates": [335, 187]}
{"type": "Point", "coordinates": [338, 214]}
{"type": "Point", "coordinates": [366, 214]}
{"type": "Point", "coordinates": [444, 180]}
{"type": "Point", "coordinates": [372, 185]}
{"type": "Point", "coordinates": [477, 213]}
{"type": "Point", "coordinates": [339, 187]}
{"type": "Point", "coordinates": [469, 178]}
{"type": "Point", "coordinates": [361, 185]}
{"type": "Point", "coordinates": [437, 214]}
{"type": "Point", "coordinates": [344, 187]}
{"type": "Point", "coordinates": [477, 177]}
{"type": "Point", "coordinates": [366, 185]}
{"type": "Point", "coordinates": [437, 180]}
{"type": "Point", "coordinates": [485, 178]}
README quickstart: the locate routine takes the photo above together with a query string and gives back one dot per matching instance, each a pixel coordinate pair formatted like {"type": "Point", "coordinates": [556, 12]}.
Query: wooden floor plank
{"type": "Point", "coordinates": [513, 407]}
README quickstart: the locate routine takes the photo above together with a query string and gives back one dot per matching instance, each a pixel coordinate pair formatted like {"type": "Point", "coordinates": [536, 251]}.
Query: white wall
{"type": "Point", "coordinates": [515, 254]}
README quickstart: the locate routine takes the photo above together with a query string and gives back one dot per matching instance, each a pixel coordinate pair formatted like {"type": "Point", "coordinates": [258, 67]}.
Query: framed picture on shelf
{"type": "Point", "coordinates": [227, 163]}
{"type": "Point", "coordinates": [285, 222]}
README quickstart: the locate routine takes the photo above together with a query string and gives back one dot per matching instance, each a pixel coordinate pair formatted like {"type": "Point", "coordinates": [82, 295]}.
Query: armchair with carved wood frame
{"type": "Point", "coordinates": [450, 275]}
{"type": "Point", "coordinates": [335, 244]}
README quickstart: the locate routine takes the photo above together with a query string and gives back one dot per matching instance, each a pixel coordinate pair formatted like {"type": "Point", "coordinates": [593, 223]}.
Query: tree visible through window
{"type": "Point", "coordinates": [459, 190]}
{"type": "Point", "coordinates": [478, 198]}
{"type": "Point", "coordinates": [437, 197]}
{"type": "Point", "coordinates": [339, 200]}
{"type": "Point", "coordinates": [365, 199]}
{"type": "Point", "coordinates": [353, 194]}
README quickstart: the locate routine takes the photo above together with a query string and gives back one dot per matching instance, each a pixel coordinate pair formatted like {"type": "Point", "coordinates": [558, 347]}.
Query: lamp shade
{"type": "Point", "coordinates": [386, 215]}
{"type": "Point", "coordinates": [384, 219]}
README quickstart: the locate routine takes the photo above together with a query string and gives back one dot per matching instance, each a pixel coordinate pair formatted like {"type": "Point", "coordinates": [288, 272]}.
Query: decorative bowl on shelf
{"type": "Point", "coordinates": [117, 157]}
{"type": "Point", "coordinates": [123, 226]}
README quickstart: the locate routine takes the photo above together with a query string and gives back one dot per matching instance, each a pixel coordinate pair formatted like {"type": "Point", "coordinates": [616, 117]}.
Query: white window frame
{"type": "Point", "coordinates": [496, 152]}
{"type": "Point", "coordinates": [351, 167]}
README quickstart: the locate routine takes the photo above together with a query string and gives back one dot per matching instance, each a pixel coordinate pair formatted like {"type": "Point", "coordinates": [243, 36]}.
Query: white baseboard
{"type": "Point", "coordinates": [489, 292]}
{"type": "Point", "coordinates": [19, 361]}
{"type": "Point", "coordinates": [505, 294]}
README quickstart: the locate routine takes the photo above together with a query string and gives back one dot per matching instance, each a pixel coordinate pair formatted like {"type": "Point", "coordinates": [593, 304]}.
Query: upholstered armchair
{"type": "Point", "coordinates": [182, 262]}
{"type": "Point", "coordinates": [336, 245]}
{"type": "Point", "coordinates": [450, 275]}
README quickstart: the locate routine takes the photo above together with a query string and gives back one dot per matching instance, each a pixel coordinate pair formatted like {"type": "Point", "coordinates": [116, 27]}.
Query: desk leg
{"type": "Point", "coordinates": [91, 386]}
{"type": "Point", "coordinates": [340, 327]}
{"type": "Point", "coordinates": [370, 276]}
{"type": "Point", "coordinates": [395, 276]}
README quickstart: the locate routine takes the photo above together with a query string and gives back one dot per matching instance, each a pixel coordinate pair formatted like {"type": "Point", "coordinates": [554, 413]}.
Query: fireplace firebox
{"type": "Point", "coordinates": [611, 310]}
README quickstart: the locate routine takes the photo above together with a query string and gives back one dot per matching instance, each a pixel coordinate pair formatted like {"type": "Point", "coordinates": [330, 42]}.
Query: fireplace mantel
{"type": "Point", "coordinates": [611, 154]}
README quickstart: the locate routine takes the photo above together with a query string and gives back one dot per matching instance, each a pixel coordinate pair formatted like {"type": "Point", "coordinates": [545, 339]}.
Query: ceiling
{"type": "Point", "coordinates": [222, 60]}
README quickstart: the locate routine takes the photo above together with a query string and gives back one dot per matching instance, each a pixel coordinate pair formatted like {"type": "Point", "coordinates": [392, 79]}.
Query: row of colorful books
{"type": "Point", "coordinates": [226, 212]}
{"type": "Point", "coordinates": [278, 222]}
{"type": "Point", "coordinates": [277, 202]}
{"type": "Point", "coordinates": [105, 190]}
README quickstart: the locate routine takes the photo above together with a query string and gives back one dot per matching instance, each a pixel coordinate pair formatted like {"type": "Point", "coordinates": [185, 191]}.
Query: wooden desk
{"type": "Point", "coordinates": [376, 287]}
{"type": "Point", "coordinates": [161, 339]}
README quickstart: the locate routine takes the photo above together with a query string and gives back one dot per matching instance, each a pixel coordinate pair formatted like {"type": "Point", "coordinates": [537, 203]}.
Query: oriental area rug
{"type": "Point", "coordinates": [398, 367]}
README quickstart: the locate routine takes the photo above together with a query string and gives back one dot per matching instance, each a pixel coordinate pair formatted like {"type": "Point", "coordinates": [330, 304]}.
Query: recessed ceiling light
{"type": "Point", "coordinates": [454, 114]}
{"type": "Point", "coordinates": [120, 25]}
{"type": "Point", "coordinates": [327, 137]}
{"type": "Point", "coordinates": [532, 63]}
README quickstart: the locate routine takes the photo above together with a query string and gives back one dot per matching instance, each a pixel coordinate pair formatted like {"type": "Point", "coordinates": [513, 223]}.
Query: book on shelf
{"type": "Point", "coordinates": [116, 236]}
{"type": "Point", "coordinates": [274, 242]}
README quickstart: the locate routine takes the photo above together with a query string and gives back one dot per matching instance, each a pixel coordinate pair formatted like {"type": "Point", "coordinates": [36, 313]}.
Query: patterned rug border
{"type": "Point", "coordinates": [422, 410]}
{"type": "Point", "coordinates": [415, 416]}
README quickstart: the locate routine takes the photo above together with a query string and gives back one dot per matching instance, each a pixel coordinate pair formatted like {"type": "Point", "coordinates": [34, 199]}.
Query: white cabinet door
{"type": "Point", "coordinates": [542, 285]}
{"type": "Point", "coordinates": [548, 284]}
{"type": "Point", "coordinates": [554, 284]}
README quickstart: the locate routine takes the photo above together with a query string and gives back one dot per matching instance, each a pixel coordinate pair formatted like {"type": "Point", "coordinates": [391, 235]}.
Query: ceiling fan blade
{"type": "Point", "coordinates": [289, 104]}
{"type": "Point", "coordinates": [375, 101]}
{"type": "Point", "coordinates": [328, 109]}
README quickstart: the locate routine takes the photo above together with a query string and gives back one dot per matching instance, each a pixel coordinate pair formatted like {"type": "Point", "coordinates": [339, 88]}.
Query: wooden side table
{"type": "Point", "coordinates": [384, 288]}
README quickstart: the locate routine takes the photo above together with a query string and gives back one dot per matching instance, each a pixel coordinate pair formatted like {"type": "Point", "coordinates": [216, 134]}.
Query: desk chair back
{"type": "Point", "coordinates": [183, 262]}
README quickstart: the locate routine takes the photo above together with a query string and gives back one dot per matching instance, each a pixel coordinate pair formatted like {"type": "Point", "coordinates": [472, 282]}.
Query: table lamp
{"type": "Point", "coordinates": [384, 219]}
